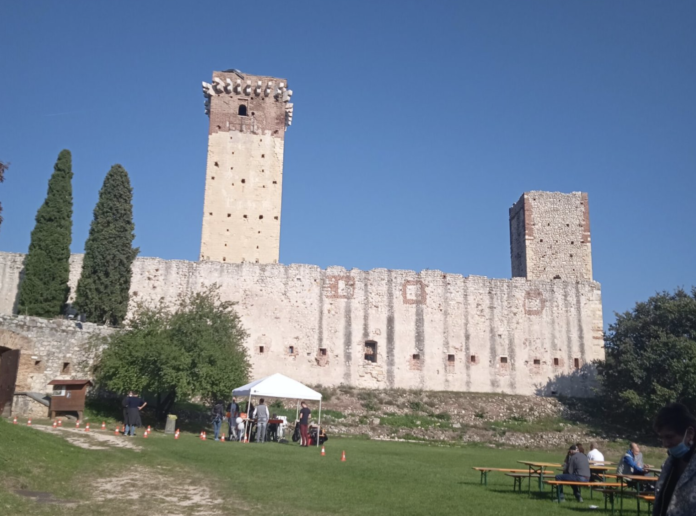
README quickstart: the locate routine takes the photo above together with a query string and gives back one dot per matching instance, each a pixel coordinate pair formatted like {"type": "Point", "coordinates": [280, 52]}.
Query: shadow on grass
{"type": "Point", "coordinates": [583, 406]}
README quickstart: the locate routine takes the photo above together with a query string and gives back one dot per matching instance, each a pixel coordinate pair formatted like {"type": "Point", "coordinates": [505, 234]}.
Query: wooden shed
{"type": "Point", "coordinates": [68, 396]}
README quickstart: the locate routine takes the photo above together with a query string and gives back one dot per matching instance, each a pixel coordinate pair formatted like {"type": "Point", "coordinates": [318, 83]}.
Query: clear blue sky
{"type": "Point", "coordinates": [417, 124]}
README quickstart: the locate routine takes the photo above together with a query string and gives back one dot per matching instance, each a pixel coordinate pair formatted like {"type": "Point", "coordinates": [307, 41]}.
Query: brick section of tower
{"type": "Point", "coordinates": [244, 174]}
{"type": "Point", "coordinates": [550, 236]}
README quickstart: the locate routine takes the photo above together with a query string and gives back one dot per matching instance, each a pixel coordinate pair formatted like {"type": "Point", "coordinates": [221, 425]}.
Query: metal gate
{"type": "Point", "coordinates": [9, 363]}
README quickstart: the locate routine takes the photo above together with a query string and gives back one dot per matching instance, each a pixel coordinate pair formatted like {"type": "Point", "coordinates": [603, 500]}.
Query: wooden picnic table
{"type": "Point", "coordinates": [638, 480]}
{"type": "Point", "coordinates": [538, 469]}
{"type": "Point", "coordinates": [555, 484]}
{"type": "Point", "coordinates": [484, 472]}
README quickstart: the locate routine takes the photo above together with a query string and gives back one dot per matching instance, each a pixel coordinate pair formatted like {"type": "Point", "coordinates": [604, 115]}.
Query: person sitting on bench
{"type": "Point", "coordinates": [576, 469]}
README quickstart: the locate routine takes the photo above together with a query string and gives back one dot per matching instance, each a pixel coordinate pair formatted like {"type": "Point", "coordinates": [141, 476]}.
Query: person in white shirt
{"type": "Point", "coordinates": [595, 455]}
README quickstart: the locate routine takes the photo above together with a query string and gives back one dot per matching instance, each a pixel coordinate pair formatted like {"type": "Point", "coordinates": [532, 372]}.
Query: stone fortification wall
{"type": "Point", "coordinates": [50, 349]}
{"type": "Point", "coordinates": [390, 328]}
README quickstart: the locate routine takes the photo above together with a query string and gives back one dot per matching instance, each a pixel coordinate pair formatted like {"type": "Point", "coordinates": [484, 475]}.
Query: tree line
{"type": "Point", "coordinates": [103, 288]}
{"type": "Point", "coordinates": [192, 349]}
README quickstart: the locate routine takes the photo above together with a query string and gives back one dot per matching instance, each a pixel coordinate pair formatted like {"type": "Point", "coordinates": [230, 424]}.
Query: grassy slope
{"type": "Point", "coordinates": [378, 478]}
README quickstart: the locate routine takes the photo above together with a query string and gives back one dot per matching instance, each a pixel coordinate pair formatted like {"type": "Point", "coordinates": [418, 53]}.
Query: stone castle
{"type": "Point", "coordinates": [536, 333]}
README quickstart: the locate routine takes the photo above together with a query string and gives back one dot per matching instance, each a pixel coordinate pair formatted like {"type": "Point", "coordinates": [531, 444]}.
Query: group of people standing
{"type": "Point", "coordinates": [132, 404]}
{"type": "Point", "coordinates": [239, 431]}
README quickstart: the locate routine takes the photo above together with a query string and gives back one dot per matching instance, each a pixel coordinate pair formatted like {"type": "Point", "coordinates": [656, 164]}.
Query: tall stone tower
{"type": "Point", "coordinates": [550, 236]}
{"type": "Point", "coordinates": [244, 177]}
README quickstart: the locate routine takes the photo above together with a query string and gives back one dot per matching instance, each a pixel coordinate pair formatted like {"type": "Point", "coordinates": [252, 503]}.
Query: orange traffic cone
{"type": "Point", "coordinates": [204, 436]}
{"type": "Point", "coordinates": [14, 420]}
{"type": "Point", "coordinates": [29, 422]}
{"type": "Point", "coordinates": [77, 424]}
{"type": "Point", "coordinates": [55, 425]}
{"type": "Point", "coordinates": [123, 429]}
{"type": "Point", "coordinates": [103, 425]}
{"type": "Point", "coordinates": [176, 435]}
{"type": "Point", "coordinates": [343, 457]}
{"type": "Point", "coordinates": [145, 435]}
{"type": "Point", "coordinates": [222, 438]}
{"type": "Point", "coordinates": [323, 451]}
{"type": "Point", "coordinates": [60, 422]}
{"type": "Point", "coordinates": [201, 436]}
{"type": "Point", "coordinates": [87, 428]}
{"type": "Point", "coordinates": [117, 432]}
{"type": "Point", "coordinates": [148, 429]}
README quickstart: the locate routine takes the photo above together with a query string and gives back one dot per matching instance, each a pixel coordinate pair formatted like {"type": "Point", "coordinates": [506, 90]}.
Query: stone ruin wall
{"type": "Point", "coordinates": [432, 330]}
{"type": "Point", "coordinates": [50, 349]}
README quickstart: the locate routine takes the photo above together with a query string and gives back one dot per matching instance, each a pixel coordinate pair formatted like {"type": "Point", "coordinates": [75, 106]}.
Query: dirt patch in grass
{"type": "Point", "coordinates": [93, 440]}
{"type": "Point", "coordinates": [154, 493]}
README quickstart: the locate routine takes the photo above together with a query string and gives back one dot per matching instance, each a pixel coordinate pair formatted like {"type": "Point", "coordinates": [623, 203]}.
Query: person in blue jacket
{"type": "Point", "coordinates": [632, 462]}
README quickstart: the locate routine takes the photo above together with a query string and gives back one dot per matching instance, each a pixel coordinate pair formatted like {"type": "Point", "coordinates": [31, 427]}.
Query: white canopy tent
{"type": "Point", "coordinates": [279, 386]}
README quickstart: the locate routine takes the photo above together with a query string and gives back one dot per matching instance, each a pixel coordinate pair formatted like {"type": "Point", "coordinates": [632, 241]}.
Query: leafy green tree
{"type": "Point", "coordinates": [44, 289]}
{"type": "Point", "coordinates": [196, 350]}
{"type": "Point", "coordinates": [102, 292]}
{"type": "Point", "coordinates": [651, 357]}
{"type": "Point", "coordinates": [3, 168]}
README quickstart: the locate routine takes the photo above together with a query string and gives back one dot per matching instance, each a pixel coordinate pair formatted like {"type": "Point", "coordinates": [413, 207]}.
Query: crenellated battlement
{"type": "Point", "coordinates": [233, 83]}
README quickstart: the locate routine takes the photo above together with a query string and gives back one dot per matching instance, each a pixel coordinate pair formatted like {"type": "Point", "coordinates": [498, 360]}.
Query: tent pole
{"type": "Point", "coordinates": [319, 429]}
{"type": "Point", "coordinates": [248, 418]}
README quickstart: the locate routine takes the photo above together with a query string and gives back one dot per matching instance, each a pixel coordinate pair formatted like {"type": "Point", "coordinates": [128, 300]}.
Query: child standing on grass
{"type": "Point", "coordinates": [304, 422]}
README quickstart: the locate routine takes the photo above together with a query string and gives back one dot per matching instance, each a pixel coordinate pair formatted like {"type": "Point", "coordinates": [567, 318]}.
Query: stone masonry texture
{"type": "Point", "coordinates": [550, 236]}
{"type": "Point", "coordinates": [50, 349]}
{"type": "Point", "coordinates": [468, 333]}
{"type": "Point", "coordinates": [244, 174]}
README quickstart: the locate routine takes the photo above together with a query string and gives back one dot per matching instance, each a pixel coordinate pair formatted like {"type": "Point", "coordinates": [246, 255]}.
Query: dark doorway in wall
{"type": "Point", "coordinates": [242, 110]}
{"type": "Point", "coordinates": [9, 364]}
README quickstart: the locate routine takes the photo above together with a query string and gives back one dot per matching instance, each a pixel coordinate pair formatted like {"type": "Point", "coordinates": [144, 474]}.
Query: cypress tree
{"type": "Point", "coordinates": [102, 292]}
{"type": "Point", "coordinates": [44, 289]}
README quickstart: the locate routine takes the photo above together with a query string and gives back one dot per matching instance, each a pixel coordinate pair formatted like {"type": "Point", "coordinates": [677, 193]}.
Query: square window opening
{"type": "Point", "coordinates": [371, 351]}
{"type": "Point", "coordinates": [537, 361]}
{"type": "Point", "coordinates": [503, 360]}
{"type": "Point", "coordinates": [66, 368]}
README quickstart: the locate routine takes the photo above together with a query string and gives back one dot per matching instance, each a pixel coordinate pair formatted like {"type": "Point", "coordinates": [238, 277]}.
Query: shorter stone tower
{"type": "Point", "coordinates": [550, 236]}
{"type": "Point", "coordinates": [244, 177]}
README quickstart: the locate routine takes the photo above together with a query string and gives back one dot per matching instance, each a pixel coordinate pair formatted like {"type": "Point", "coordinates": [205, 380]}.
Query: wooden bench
{"type": "Point", "coordinates": [518, 477]}
{"type": "Point", "coordinates": [555, 484]}
{"type": "Point", "coordinates": [484, 472]}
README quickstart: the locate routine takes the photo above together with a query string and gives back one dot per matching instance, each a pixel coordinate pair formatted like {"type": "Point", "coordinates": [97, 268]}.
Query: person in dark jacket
{"type": "Point", "coordinates": [675, 493]}
{"type": "Point", "coordinates": [575, 469]}
{"type": "Point", "coordinates": [217, 415]}
{"type": "Point", "coordinates": [124, 405]}
{"type": "Point", "coordinates": [135, 405]}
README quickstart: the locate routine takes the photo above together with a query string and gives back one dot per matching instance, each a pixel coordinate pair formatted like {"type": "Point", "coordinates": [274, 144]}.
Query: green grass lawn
{"type": "Point", "coordinates": [379, 478]}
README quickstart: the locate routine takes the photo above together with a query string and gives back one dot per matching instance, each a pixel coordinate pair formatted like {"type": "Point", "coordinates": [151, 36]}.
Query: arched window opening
{"type": "Point", "coordinates": [242, 110]}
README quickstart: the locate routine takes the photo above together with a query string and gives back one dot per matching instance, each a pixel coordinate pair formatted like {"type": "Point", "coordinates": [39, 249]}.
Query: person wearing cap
{"type": "Point", "coordinates": [675, 492]}
{"type": "Point", "coordinates": [575, 469]}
